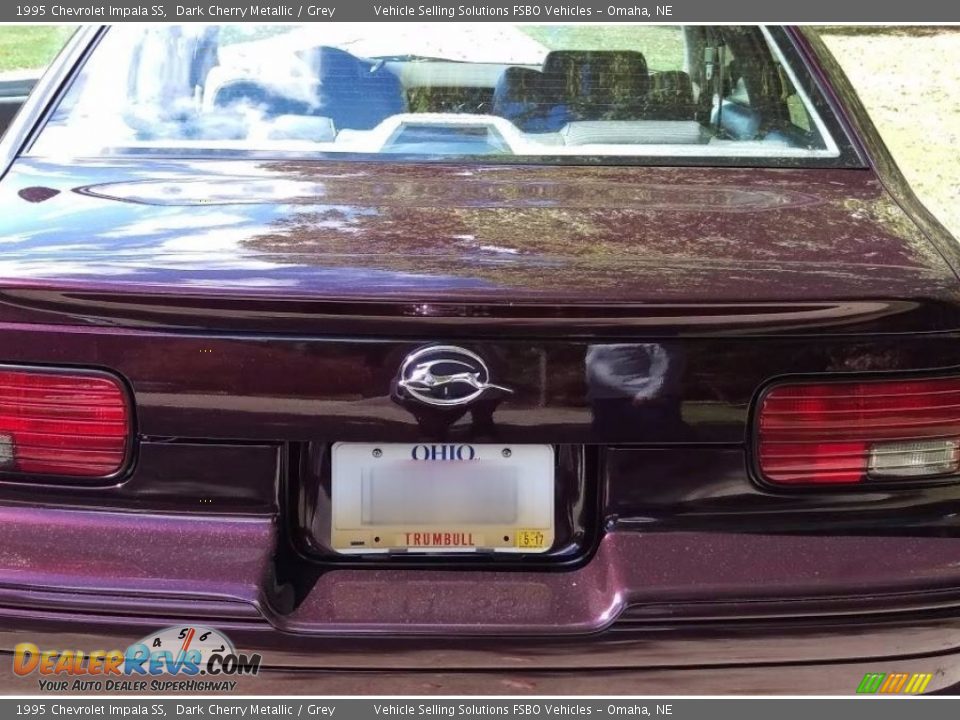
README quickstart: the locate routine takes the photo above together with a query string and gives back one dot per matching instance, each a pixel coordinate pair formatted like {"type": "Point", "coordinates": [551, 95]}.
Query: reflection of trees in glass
{"type": "Point", "coordinates": [662, 45]}
{"type": "Point", "coordinates": [888, 215]}
{"type": "Point", "coordinates": [588, 228]}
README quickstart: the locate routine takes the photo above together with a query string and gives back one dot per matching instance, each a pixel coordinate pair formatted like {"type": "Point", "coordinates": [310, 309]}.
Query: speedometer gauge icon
{"type": "Point", "coordinates": [196, 643]}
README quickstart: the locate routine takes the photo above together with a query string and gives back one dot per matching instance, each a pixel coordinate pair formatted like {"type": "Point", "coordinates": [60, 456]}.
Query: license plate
{"type": "Point", "coordinates": [443, 497]}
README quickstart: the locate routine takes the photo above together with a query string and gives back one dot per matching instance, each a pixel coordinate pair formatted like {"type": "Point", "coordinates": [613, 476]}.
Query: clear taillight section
{"type": "Point", "coordinates": [852, 432]}
{"type": "Point", "coordinates": [69, 424]}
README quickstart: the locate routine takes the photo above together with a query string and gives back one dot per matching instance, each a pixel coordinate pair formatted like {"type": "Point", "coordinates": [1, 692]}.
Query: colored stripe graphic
{"type": "Point", "coordinates": [918, 683]}
{"type": "Point", "coordinates": [871, 682]}
{"type": "Point", "coordinates": [894, 683]}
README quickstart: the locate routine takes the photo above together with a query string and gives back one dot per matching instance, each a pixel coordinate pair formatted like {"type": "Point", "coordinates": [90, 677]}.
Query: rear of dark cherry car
{"type": "Point", "coordinates": [697, 550]}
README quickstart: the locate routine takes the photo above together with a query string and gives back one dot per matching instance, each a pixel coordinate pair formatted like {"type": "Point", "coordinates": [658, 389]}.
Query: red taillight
{"type": "Point", "coordinates": [846, 432]}
{"type": "Point", "coordinates": [62, 423]}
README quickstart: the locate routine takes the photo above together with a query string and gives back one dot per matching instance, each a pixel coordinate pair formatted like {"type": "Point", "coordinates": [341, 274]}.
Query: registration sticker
{"type": "Point", "coordinates": [531, 539]}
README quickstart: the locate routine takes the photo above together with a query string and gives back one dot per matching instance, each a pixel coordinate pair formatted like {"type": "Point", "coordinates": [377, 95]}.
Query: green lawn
{"type": "Point", "coordinates": [30, 46]}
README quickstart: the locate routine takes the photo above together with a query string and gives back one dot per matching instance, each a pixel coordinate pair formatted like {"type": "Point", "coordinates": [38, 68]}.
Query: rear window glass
{"type": "Point", "coordinates": [450, 91]}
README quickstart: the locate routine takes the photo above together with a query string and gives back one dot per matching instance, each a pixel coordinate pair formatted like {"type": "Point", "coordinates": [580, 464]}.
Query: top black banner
{"type": "Point", "coordinates": [667, 11]}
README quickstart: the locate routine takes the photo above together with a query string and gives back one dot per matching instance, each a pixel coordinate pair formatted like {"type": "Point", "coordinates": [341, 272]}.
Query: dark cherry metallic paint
{"type": "Point", "coordinates": [303, 247]}
{"type": "Point", "coordinates": [282, 335]}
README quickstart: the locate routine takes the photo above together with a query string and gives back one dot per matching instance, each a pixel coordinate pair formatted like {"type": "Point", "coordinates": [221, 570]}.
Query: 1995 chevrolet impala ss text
{"type": "Point", "coordinates": [517, 363]}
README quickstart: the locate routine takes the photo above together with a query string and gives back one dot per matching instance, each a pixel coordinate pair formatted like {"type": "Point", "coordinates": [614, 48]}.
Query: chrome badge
{"type": "Point", "coordinates": [446, 376]}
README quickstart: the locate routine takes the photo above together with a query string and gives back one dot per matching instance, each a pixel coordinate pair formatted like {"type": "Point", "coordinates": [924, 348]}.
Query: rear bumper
{"type": "Point", "coordinates": [783, 657]}
{"type": "Point", "coordinates": [658, 612]}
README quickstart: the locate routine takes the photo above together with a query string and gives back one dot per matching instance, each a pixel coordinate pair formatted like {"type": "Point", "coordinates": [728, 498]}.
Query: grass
{"type": "Point", "coordinates": [23, 47]}
{"type": "Point", "coordinates": [909, 81]}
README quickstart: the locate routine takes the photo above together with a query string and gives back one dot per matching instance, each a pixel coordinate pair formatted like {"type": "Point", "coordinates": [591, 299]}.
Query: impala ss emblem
{"type": "Point", "coordinates": [446, 376]}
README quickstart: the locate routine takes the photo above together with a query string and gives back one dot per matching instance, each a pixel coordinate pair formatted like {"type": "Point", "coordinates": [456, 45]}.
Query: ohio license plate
{"type": "Point", "coordinates": [442, 497]}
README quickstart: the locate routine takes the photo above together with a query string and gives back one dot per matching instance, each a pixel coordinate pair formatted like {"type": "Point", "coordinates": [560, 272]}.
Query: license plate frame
{"type": "Point", "coordinates": [412, 498]}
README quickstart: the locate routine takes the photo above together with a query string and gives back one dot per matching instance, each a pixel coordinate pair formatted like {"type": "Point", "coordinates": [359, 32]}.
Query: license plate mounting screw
{"type": "Point", "coordinates": [377, 452]}
{"type": "Point", "coordinates": [507, 452]}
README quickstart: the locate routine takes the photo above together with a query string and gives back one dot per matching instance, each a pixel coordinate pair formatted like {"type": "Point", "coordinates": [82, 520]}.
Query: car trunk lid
{"type": "Point", "coordinates": [549, 244]}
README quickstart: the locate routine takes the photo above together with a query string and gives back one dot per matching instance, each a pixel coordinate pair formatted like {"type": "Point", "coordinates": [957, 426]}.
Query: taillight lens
{"type": "Point", "coordinates": [852, 432]}
{"type": "Point", "coordinates": [70, 424]}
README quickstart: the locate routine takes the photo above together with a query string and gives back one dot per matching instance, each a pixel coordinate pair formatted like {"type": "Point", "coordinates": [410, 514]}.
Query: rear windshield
{"type": "Point", "coordinates": [448, 91]}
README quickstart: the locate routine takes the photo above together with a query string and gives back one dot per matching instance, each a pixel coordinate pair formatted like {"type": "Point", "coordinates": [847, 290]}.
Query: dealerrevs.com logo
{"type": "Point", "coordinates": [176, 659]}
